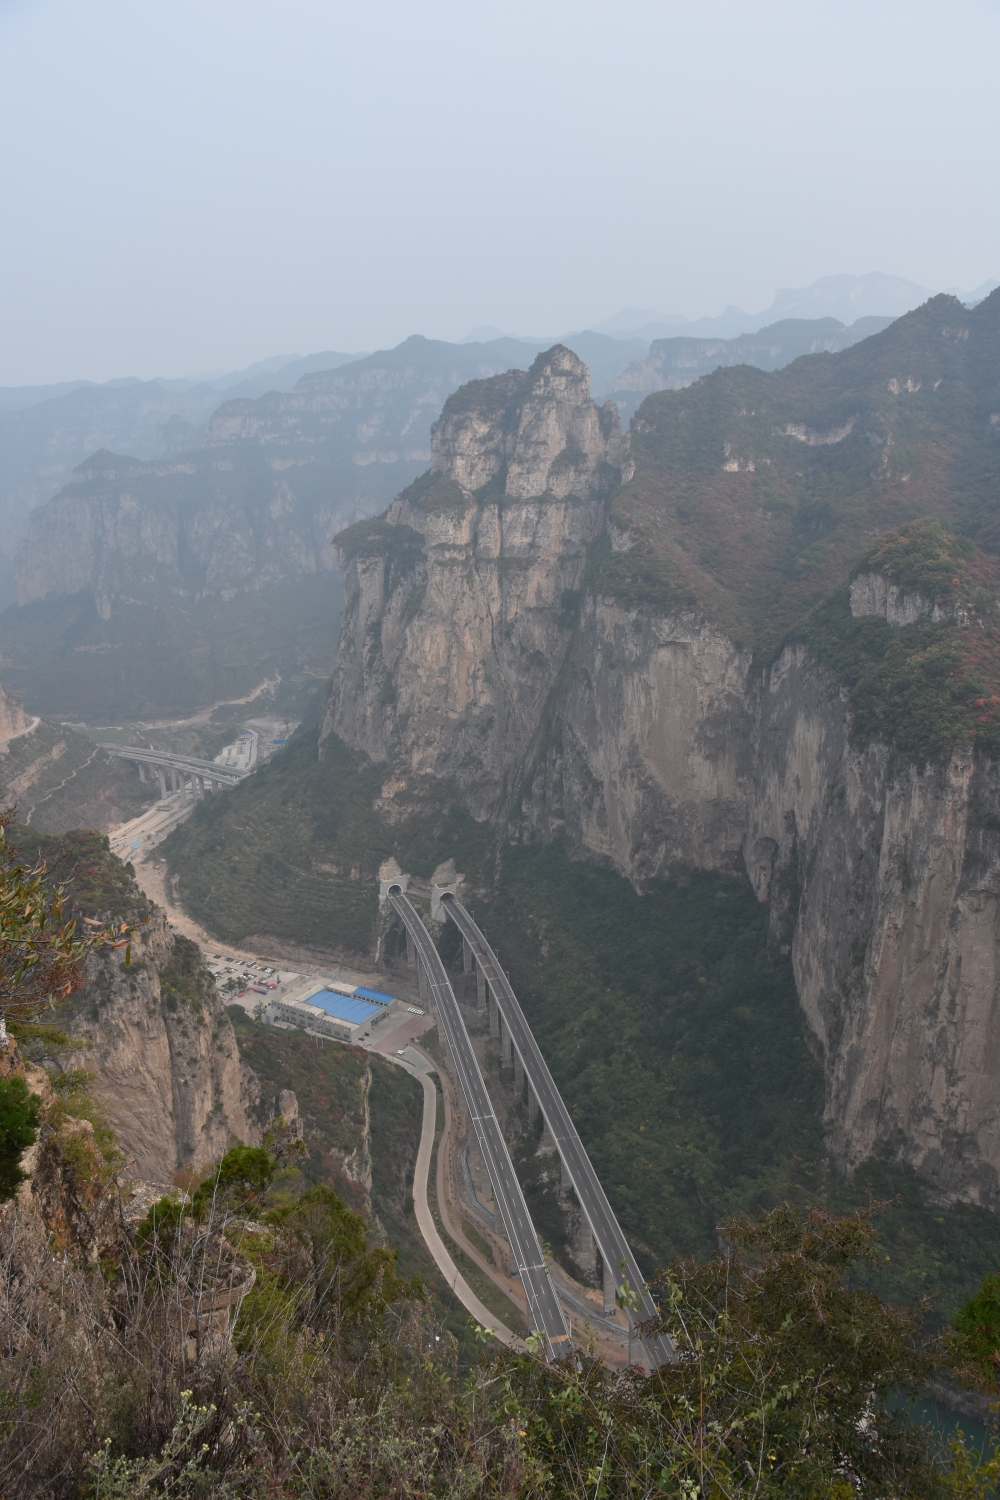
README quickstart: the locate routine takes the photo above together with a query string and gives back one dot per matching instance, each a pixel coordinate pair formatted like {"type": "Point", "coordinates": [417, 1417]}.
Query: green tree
{"type": "Point", "coordinates": [978, 1324]}
{"type": "Point", "coordinates": [326, 1253]}
{"type": "Point", "coordinates": [20, 1116]}
{"type": "Point", "coordinates": [783, 1386]}
{"type": "Point", "coordinates": [41, 957]}
{"type": "Point", "coordinates": [238, 1182]}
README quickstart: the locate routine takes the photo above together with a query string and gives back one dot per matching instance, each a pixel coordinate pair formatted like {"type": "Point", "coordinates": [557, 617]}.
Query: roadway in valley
{"type": "Point", "coordinates": [615, 1252]}
{"type": "Point", "coordinates": [422, 1068]}
{"type": "Point", "coordinates": [544, 1311]}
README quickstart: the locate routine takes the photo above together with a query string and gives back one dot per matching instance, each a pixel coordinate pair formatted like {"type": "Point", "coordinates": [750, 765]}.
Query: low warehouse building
{"type": "Point", "coordinates": [331, 1012]}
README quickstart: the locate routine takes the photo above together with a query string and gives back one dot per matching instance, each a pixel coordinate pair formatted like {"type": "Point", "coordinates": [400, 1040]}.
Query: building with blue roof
{"type": "Point", "coordinates": [331, 1012]}
{"type": "Point", "coordinates": [345, 1007]}
{"type": "Point", "coordinates": [379, 996]}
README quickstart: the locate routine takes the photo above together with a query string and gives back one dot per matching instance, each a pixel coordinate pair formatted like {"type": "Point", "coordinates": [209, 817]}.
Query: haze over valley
{"type": "Point", "coordinates": [500, 815]}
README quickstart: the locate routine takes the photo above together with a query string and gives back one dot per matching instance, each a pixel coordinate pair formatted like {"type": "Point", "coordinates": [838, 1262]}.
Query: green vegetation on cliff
{"type": "Point", "coordinates": [758, 490]}
{"type": "Point", "coordinates": [327, 1377]}
{"type": "Point", "coordinates": [329, 1084]}
{"type": "Point", "coordinates": [928, 686]}
{"type": "Point", "coordinates": [96, 882]}
{"type": "Point", "coordinates": [674, 1034]}
{"type": "Point", "coordinates": [295, 850]}
{"type": "Point", "coordinates": [166, 654]}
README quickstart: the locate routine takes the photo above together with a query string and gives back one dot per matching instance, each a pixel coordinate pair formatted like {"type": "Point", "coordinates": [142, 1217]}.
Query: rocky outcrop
{"type": "Point", "coordinates": [539, 433]}
{"type": "Point", "coordinates": [13, 719]}
{"type": "Point", "coordinates": [166, 1069]}
{"type": "Point", "coordinates": [460, 606]}
{"type": "Point", "coordinates": [874, 595]}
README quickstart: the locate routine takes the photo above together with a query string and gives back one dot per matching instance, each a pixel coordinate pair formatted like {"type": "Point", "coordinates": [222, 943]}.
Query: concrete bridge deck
{"type": "Point", "coordinates": [544, 1311]}
{"type": "Point", "coordinates": [179, 765]}
{"type": "Point", "coordinates": [623, 1279]}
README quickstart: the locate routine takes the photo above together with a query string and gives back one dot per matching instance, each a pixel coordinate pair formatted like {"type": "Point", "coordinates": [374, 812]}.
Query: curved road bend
{"type": "Point", "coordinates": [611, 1242]}
{"type": "Point", "coordinates": [544, 1311]}
{"type": "Point", "coordinates": [425, 1219]}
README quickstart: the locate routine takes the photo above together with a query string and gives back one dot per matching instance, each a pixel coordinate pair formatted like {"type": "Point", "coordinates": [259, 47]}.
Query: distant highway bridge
{"type": "Point", "coordinates": [545, 1313]}
{"type": "Point", "coordinates": [203, 773]}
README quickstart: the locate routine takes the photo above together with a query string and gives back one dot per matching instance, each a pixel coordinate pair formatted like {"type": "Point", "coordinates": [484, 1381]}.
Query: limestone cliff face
{"type": "Point", "coordinates": [196, 526]}
{"type": "Point", "coordinates": [473, 652]}
{"type": "Point", "coordinates": [650, 762]}
{"type": "Point", "coordinates": [894, 874]}
{"type": "Point", "coordinates": [460, 606]}
{"type": "Point", "coordinates": [167, 1072]}
{"type": "Point", "coordinates": [666, 752]}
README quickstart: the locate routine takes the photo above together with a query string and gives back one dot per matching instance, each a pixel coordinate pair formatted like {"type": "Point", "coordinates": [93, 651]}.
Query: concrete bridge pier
{"type": "Point", "coordinates": [163, 781]}
{"type": "Point", "coordinates": [494, 1008]}
{"type": "Point", "coordinates": [584, 1246]}
{"type": "Point", "coordinates": [532, 1105]}
{"type": "Point", "coordinates": [518, 1075]}
{"type": "Point", "coordinates": [506, 1048]}
{"type": "Point", "coordinates": [142, 771]}
{"type": "Point", "coordinates": [422, 979]}
{"type": "Point", "coordinates": [175, 780]}
{"type": "Point", "coordinates": [411, 950]}
{"type": "Point", "coordinates": [481, 988]}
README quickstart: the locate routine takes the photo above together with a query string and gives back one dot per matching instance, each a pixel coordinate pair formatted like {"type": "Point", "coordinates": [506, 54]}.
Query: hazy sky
{"type": "Point", "coordinates": [194, 186]}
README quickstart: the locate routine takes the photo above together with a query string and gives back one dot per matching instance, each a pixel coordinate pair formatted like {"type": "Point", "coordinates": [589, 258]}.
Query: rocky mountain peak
{"type": "Point", "coordinates": [536, 433]}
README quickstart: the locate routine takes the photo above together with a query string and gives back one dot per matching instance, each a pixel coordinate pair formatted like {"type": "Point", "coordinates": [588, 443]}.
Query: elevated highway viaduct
{"type": "Point", "coordinates": [203, 773]}
{"type": "Point", "coordinates": [623, 1281]}
{"type": "Point", "coordinates": [545, 1313]}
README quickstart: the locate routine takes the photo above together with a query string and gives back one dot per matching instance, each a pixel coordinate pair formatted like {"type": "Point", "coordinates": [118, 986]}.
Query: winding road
{"type": "Point", "coordinates": [415, 1063]}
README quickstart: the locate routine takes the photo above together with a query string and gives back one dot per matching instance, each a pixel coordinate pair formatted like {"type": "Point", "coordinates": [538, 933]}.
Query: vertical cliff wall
{"type": "Point", "coordinates": [163, 1054]}
{"type": "Point", "coordinates": [666, 751]}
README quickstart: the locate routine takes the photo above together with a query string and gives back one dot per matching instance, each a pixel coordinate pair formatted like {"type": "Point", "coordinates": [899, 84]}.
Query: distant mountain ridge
{"type": "Point", "coordinates": [46, 432]}
{"type": "Point", "coordinates": [846, 298]}
{"type": "Point", "coordinates": [676, 362]}
{"type": "Point", "coordinates": [158, 584]}
{"type": "Point", "coordinates": [221, 547]}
